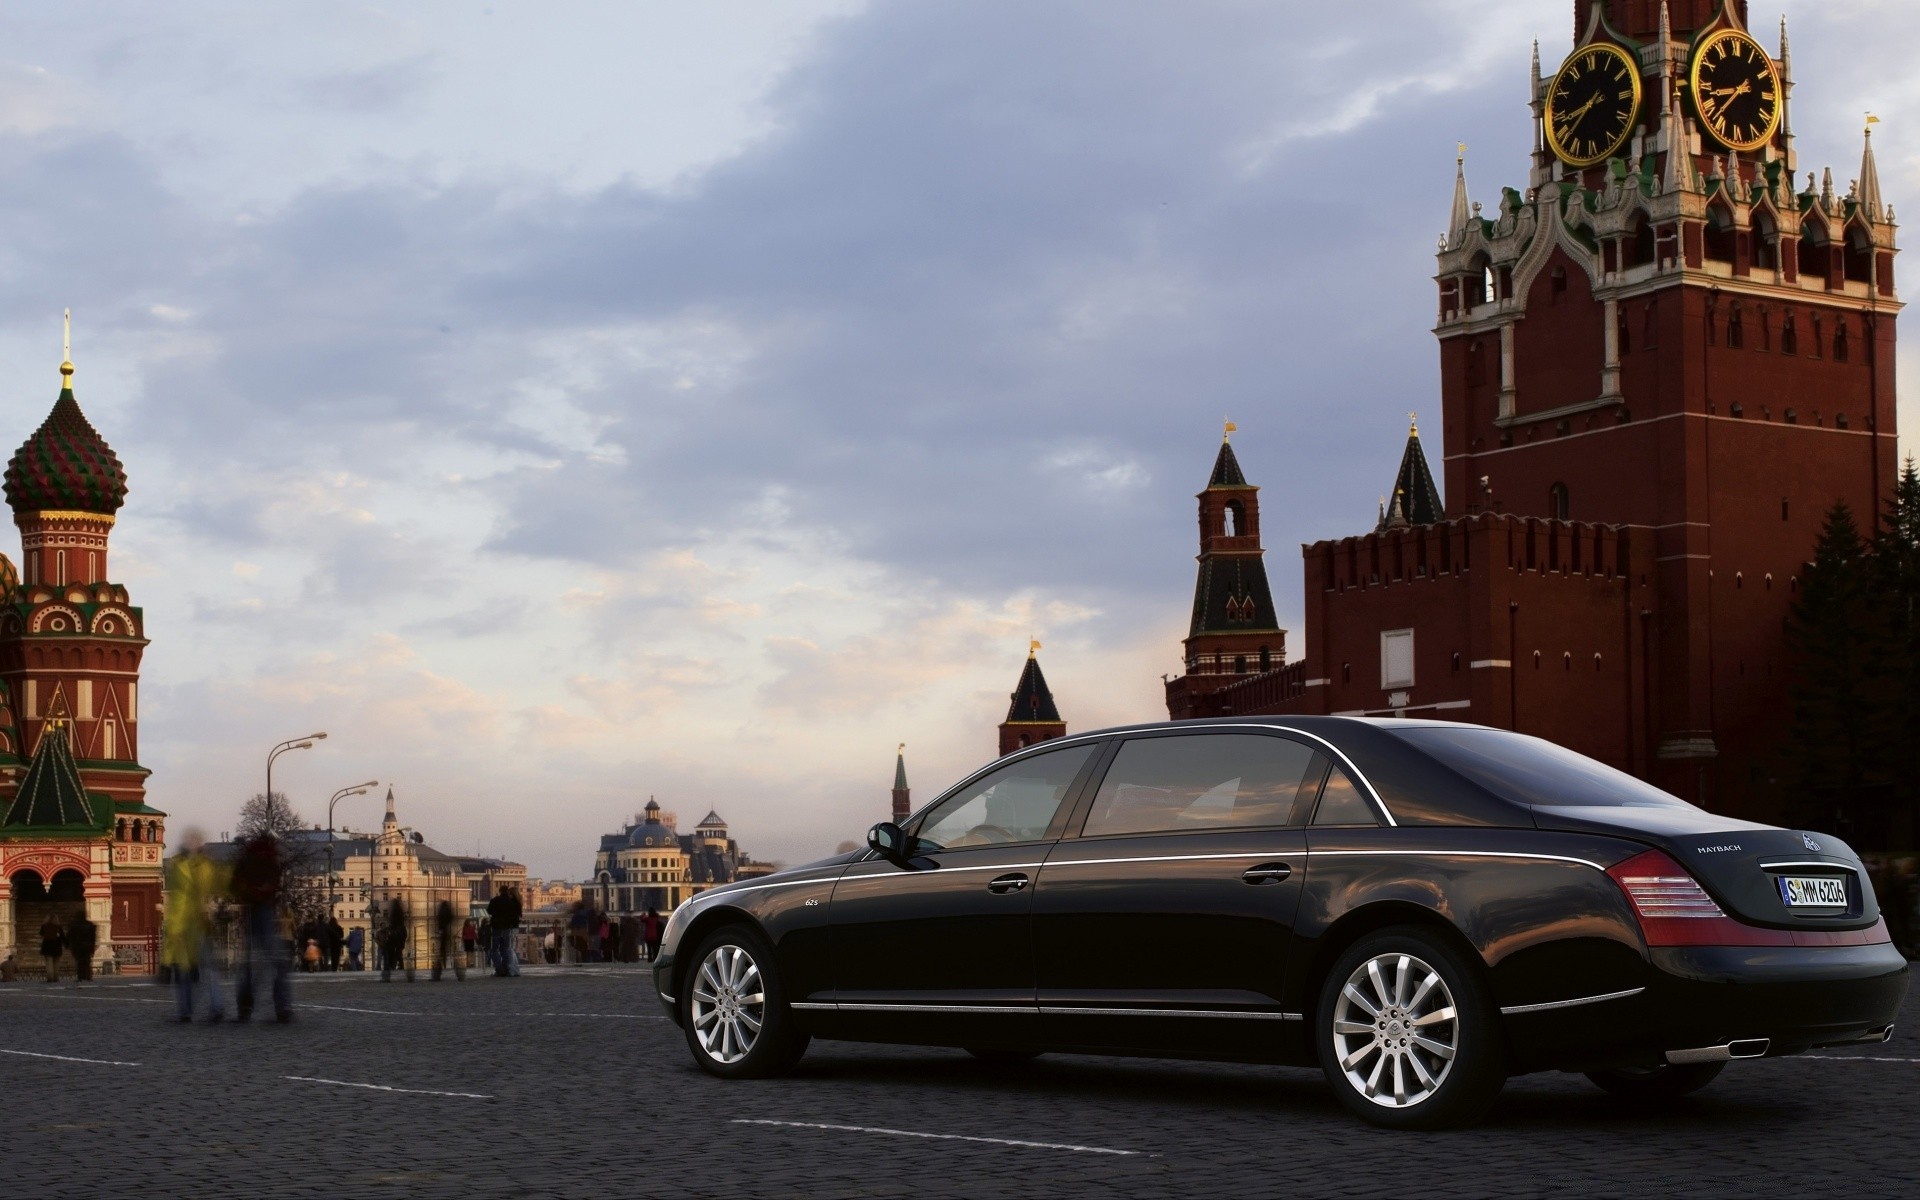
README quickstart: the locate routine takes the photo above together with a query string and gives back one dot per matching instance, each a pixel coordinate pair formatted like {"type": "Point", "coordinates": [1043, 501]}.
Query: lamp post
{"type": "Point", "coordinates": [353, 790]}
{"type": "Point", "coordinates": [299, 743]}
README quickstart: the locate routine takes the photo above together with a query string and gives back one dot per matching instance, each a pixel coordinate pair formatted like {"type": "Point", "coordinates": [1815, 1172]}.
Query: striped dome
{"type": "Point", "coordinates": [67, 465]}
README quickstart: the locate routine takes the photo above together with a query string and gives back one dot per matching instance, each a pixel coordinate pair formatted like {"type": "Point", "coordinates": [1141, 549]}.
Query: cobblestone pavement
{"type": "Point", "coordinates": [566, 1082]}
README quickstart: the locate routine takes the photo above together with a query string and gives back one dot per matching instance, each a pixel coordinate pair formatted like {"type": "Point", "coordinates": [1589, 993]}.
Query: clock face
{"type": "Point", "coordinates": [1592, 104]}
{"type": "Point", "coordinates": [1736, 90]}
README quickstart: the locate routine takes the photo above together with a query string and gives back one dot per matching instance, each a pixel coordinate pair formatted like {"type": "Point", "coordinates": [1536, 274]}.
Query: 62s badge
{"type": "Point", "coordinates": [1592, 104]}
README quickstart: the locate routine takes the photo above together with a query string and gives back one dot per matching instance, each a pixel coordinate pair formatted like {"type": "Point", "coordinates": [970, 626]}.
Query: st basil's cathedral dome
{"type": "Point", "coordinates": [66, 465]}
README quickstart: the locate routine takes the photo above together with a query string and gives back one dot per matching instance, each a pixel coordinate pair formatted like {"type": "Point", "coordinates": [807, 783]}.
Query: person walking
{"type": "Point", "coordinates": [335, 940]}
{"type": "Point", "coordinates": [444, 945]}
{"type": "Point", "coordinates": [256, 886]}
{"type": "Point", "coordinates": [469, 936]}
{"type": "Point", "coordinates": [651, 928]}
{"type": "Point", "coordinates": [194, 884]}
{"type": "Point", "coordinates": [357, 949]}
{"type": "Point", "coordinates": [393, 942]}
{"type": "Point", "coordinates": [53, 940]}
{"type": "Point", "coordinates": [504, 911]}
{"type": "Point", "coordinates": [83, 937]}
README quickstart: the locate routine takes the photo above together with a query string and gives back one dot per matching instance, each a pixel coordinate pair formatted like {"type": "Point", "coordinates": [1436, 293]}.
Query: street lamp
{"type": "Point", "coordinates": [353, 790]}
{"type": "Point", "coordinates": [299, 743]}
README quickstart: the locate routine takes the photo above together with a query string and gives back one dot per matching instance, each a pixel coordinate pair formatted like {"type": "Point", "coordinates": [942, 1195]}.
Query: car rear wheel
{"type": "Point", "coordinates": [1406, 1034]}
{"type": "Point", "coordinates": [1669, 1081]}
{"type": "Point", "coordinates": [735, 1011]}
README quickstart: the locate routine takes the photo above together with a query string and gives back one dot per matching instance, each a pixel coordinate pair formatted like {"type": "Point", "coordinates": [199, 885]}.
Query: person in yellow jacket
{"type": "Point", "coordinates": [195, 884]}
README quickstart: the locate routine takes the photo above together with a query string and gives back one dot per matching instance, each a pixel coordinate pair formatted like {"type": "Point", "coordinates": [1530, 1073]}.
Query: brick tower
{"type": "Point", "coordinates": [1234, 632]}
{"type": "Point", "coordinates": [1032, 715]}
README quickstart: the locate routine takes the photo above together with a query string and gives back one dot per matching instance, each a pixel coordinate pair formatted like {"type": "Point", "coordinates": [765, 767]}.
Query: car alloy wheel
{"type": "Point", "coordinates": [729, 1007]}
{"type": "Point", "coordinates": [1406, 1034]}
{"type": "Point", "coordinates": [1396, 1031]}
{"type": "Point", "coordinates": [735, 1010]}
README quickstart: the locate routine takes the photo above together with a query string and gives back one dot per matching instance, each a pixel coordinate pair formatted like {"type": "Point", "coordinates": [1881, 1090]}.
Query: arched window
{"type": "Point", "coordinates": [1859, 255]}
{"type": "Point", "coordinates": [1639, 243]}
{"type": "Point", "coordinates": [1814, 247]}
{"type": "Point", "coordinates": [1819, 338]}
{"type": "Point", "coordinates": [1840, 348]}
{"type": "Point", "coordinates": [1557, 283]}
{"type": "Point", "coordinates": [1239, 664]}
{"type": "Point", "coordinates": [1557, 502]}
{"type": "Point", "coordinates": [1736, 328]}
{"type": "Point", "coordinates": [1789, 334]}
{"type": "Point", "coordinates": [1266, 659]}
{"type": "Point", "coordinates": [1234, 519]}
{"type": "Point", "coordinates": [120, 830]}
{"type": "Point", "coordinates": [1766, 241]}
{"type": "Point", "coordinates": [1719, 239]}
{"type": "Point", "coordinates": [1482, 285]}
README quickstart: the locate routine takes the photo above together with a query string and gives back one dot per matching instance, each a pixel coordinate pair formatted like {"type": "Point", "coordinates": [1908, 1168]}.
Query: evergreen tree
{"type": "Point", "coordinates": [1836, 636]}
{"type": "Point", "coordinates": [1897, 552]}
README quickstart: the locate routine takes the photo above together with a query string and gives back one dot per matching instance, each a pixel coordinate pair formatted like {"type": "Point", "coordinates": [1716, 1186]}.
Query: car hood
{"type": "Point", "coordinates": [1738, 862]}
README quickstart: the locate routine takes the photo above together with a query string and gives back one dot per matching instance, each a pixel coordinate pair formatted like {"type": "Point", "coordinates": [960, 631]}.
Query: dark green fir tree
{"type": "Point", "coordinates": [1897, 551]}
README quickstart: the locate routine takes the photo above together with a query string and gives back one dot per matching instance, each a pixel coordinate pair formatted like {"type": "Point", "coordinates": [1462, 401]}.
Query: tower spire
{"type": "Point", "coordinates": [1870, 174]}
{"type": "Point", "coordinates": [1679, 173]}
{"type": "Point", "coordinates": [66, 350]}
{"type": "Point", "coordinates": [902, 796]}
{"type": "Point", "coordinates": [1462, 211]}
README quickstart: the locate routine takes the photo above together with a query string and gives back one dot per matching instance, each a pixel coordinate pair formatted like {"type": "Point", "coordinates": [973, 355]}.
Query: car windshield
{"type": "Point", "coordinates": [1533, 771]}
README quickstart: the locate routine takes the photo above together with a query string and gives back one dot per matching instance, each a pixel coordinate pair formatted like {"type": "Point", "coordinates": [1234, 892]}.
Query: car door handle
{"type": "Point", "coordinates": [1266, 873]}
{"type": "Point", "coordinates": [1007, 883]}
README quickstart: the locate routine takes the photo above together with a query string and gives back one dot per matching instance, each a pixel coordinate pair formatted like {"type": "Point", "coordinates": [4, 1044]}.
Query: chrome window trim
{"type": "Point", "coordinates": [997, 1009]}
{"type": "Point", "coordinates": [932, 872]}
{"type": "Point", "coordinates": [1461, 854]}
{"type": "Point", "coordinates": [1093, 862]}
{"type": "Point", "coordinates": [1513, 1009]}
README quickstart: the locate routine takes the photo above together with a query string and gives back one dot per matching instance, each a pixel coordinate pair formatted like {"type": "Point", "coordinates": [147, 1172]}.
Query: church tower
{"type": "Point", "coordinates": [1032, 715]}
{"type": "Point", "coordinates": [1667, 329]}
{"type": "Point", "coordinates": [902, 795]}
{"type": "Point", "coordinates": [1235, 632]}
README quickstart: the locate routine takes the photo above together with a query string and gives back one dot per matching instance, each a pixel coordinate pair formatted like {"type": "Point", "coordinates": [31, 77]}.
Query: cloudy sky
{"type": "Point", "coordinates": [566, 404]}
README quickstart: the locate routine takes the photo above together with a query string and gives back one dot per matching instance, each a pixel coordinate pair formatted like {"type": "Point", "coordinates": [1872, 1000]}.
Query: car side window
{"type": "Point", "coordinates": [1202, 782]}
{"type": "Point", "coordinates": [1014, 804]}
{"type": "Point", "coordinates": [1342, 804]}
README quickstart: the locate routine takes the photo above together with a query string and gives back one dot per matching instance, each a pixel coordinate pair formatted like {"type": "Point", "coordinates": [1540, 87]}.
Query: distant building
{"type": "Point", "coordinates": [549, 894]}
{"type": "Point", "coordinates": [651, 864]}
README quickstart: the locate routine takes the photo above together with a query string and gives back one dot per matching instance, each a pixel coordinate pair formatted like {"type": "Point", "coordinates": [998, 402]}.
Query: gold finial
{"type": "Point", "coordinates": [1033, 647]}
{"type": "Point", "coordinates": [1460, 155]}
{"type": "Point", "coordinates": [901, 748]}
{"type": "Point", "coordinates": [66, 349]}
{"type": "Point", "coordinates": [1229, 431]}
{"type": "Point", "coordinates": [1413, 424]}
{"type": "Point", "coordinates": [1871, 122]}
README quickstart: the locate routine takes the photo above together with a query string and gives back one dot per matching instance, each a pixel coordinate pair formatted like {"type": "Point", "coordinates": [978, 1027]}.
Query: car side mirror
{"type": "Point", "coordinates": [889, 842]}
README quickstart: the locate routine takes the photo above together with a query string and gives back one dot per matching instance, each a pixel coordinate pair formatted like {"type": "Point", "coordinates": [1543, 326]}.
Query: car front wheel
{"type": "Point", "coordinates": [1406, 1034]}
{"type": "Point", "coordinates": [735, 1013]}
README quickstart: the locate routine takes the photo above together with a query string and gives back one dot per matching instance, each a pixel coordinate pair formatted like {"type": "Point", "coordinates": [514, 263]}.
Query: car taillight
{"type": "Point", "coordinates": [1674, 910]}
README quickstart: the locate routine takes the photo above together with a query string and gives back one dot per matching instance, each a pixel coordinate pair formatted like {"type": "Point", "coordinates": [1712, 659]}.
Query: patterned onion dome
{"type": "Point", "coordinates": [66, 464]}
{"type": "Point", "coordinates": [9, 584]}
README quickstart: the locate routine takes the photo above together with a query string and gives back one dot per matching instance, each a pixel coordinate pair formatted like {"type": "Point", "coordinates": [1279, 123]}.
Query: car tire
{"type": "Point", "coordinates": [1406, 1034]}
{"type": "Point", "coordinates": [1002, 1057]}
{"type": "Point", "coordinates": [1668, 1081]}
{"type": "Point", "coordinates": [734, 1010]}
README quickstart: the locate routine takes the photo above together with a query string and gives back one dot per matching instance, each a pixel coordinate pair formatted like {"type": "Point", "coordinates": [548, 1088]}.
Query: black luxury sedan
{"type": "Point", "coordinates": [1420, 908]}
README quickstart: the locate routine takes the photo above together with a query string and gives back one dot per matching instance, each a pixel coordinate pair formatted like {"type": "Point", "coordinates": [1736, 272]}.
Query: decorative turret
{"type": "Point", "coordinates": [1032, 715]}
{"type": "Point", "coordinates": [1462, 209]}
{"type": "Point", "coordinates": [52, 795]}
{"type": "Point", "coordinates": [66, 465]}
{"type": "Point", "coordinates": [1870, 202]}
{"type": "Point", "coordinates": [1416, 500]}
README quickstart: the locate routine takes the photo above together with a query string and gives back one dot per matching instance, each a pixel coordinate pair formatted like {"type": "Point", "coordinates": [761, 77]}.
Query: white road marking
{"type": "Point", "coordinates": [1856, 1058]}
{"type": "Point", "coordinates": [381, 1087]}
{"type": "Point", "coordinates": [941, 1137]}
{"type": "Point", "coordinates": [98, 1062]}
{"type": "Point", "coordinates": [383, 1012]}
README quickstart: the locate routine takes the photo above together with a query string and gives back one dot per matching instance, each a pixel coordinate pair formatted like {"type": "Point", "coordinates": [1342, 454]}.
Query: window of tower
{"type": "Point", "coordinates": [59, 566]}
{"type": "Point", "coordinates": [1266, 659]}
{"type": "Point", "coordinates": [1789, 334]}
{"type": "Point", "coordinates": [1719, 240]}
{"type": "Point", "coordinates": [1639, 244]}
{"type": "Point", "coordinates": [1840, 348]}
{"type": "Point", "coordinates": [1766, 241]}
{"type": "Point", "coordinates": [1557, 502]}
{"type": "Point", "coordinates": [1557, 283]}
{"type": "Point", "coordinates": [1482, 287]}
{"type": "Point", "coordinates": [1859, 255]}
{"type": "Point", "coordinates": [1736, 329]}
{"type": "Point", "coordinates": [1235, 519]}
{"type": "Point", "coordinates": [1239, 664]}
{"type": "Point", "coordinates": [1814, 246]}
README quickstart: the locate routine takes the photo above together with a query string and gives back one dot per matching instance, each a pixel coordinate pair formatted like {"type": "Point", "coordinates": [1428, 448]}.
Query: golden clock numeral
{"type": "Point", "coordinates": [1573, 72]}
{"type": "Point", "coordinates": [1767, 95]}
{"type": "Point", "coordinates": [1626, 93]}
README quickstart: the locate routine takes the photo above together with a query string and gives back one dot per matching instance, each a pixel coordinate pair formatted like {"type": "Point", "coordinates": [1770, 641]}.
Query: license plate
{"type": "Point", "coordinates": [1813, 891]}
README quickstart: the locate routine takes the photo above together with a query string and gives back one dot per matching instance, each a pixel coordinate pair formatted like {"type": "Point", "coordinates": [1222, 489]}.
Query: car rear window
{"type": "Point", "coordinates": [1531, 770]}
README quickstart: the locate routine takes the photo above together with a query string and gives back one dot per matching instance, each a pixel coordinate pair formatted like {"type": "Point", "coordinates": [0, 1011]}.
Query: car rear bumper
{"type": "Point", "coordinates": [1702, 997]}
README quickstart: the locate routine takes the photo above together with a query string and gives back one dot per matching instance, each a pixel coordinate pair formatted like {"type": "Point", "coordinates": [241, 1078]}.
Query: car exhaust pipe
{"type": "Point", "coordinates": [1886, 1035]}
{"type": "Point", "coordinates": [1743, 1048]}
{"type": "Point", "coordinates": [1873, 1037]}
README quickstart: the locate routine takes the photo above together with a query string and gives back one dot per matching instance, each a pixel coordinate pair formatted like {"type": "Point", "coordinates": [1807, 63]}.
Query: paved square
{"type": "Point", "coordinates": [567, 1082]}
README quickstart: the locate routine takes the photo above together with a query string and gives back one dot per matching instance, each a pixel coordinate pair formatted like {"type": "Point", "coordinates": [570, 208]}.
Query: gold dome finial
{"type": "Point", "coordinates": [1229, 431]}
{"type": "Point", "coordinates": [1033, 646]}
{"type": "Point", "coordinates": [1413, 424]}
{"type": "Point", "coordinates": [66, 350]}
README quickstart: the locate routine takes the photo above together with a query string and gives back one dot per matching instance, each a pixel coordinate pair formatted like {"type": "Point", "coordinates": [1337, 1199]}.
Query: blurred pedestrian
{"type": "Point", "coordinates": [445, 947]}
{"type": "Point", "coordinates": [195, 884]}
{"type": "Point", "coordinates": [651, 928]}
{"type": "Point", "coordinates": [504, 911]}
{"type": "Point", "coordinates": [335, 941]}
{"type": "Point", "coordinates": [487, 948]}
{"type": "Point", "coordinates": [469, 936]}
{"type": "Point", "coordinates": [606, 938]}
{"type": "Point", "coordinates": [357, 949]}
{"type": "Point", "coordinates": [83, 937]}
{"type": "Point", "coordinates": [393, 942]}
{"type": "Point", "coordinates": [266, 949]}
{"type": "Point", "coordinates": [53, 942]}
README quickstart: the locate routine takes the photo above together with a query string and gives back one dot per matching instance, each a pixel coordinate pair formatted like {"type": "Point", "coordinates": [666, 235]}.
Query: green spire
{"type": "Point", "coordinates": [52, 796]}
